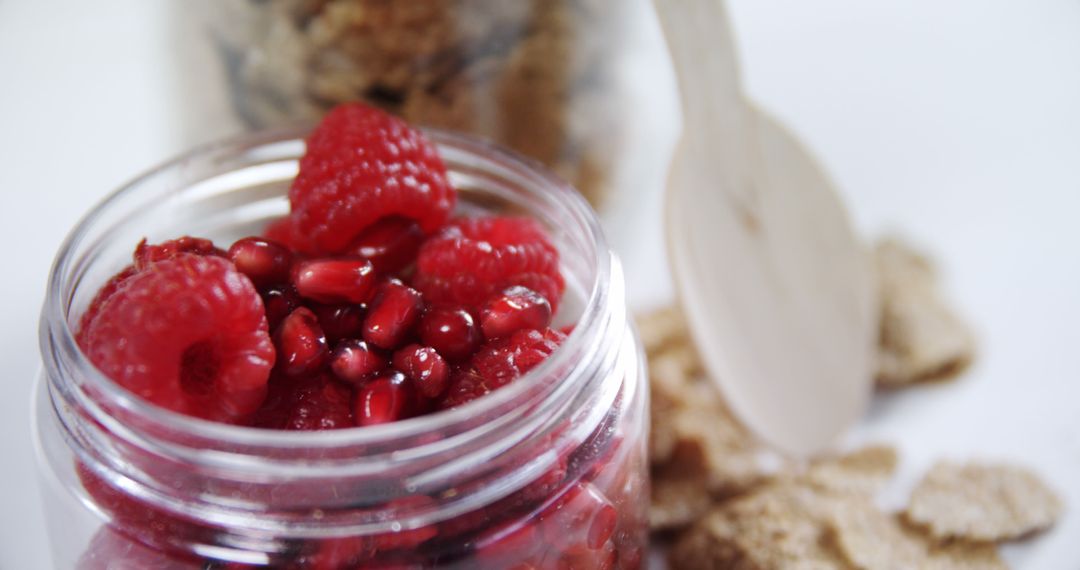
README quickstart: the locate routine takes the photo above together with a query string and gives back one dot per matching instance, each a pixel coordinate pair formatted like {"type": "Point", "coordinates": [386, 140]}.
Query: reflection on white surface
{"type": "Point", "coordinates": [956, 122]}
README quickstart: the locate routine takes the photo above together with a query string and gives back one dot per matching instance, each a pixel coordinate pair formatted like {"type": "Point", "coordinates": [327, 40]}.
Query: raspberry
{"type": "Point", "coordinates": [309, 403]}
{"type": "Point", "coordinates": [281, 231]}
{"type": "Point", "coordinates": [142, 258]}
{"type": "Point", "coordinates": [474, 258]}
{"type": "Point", "coordinates": [465, 386]}
{"type": "Point", "coordinates": [499, 362]}
{"type": "Point", "coordinates": [188, 334]}
{"type": "Point", "coordinates": [148, 254]}
{"type": "Point", "coordinates": [112, 286]}
{"type": "Point", "coordinates": [362, 165]}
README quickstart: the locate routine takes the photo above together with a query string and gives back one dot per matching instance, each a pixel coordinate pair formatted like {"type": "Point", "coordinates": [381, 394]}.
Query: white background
{"type": "Point", "coordinates": [956, 122]}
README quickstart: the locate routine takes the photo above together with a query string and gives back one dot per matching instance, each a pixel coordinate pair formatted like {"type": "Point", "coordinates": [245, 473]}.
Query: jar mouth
{"type": "Point", "coordinates": [72, 376]}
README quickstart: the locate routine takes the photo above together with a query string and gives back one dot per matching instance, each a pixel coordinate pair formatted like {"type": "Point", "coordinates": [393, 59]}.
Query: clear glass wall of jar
{"type": "Point", "coordinates": [549, 471]}
{"type": "Point", "coordinates": [583, 86]}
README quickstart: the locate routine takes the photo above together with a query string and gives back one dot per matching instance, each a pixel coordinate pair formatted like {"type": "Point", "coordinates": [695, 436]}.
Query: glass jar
{"type": "Point", "coordinates": [547, 472]}
{"type": "Point", "coordinates": [583, 86]}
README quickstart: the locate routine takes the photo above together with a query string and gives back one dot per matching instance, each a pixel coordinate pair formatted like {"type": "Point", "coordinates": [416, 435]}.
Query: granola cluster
{"type": "Point", "coordinates": [535, 75]}
{"type": "Point", "coordinates": [720, 499]}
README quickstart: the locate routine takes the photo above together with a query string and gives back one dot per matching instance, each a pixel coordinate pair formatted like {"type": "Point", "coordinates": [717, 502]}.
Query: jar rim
{"type": "Point", "coordinates": [57, 334]}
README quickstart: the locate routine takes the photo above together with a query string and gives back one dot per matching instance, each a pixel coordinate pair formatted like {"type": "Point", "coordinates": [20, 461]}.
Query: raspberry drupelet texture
{"type": "Point", "coordinates": [474, 258]}
{"type": "Point", "coordinates": [188, 334]}
{"type": "Point", "coordinates": [499, 362]}
{"type": "Point", "coordinates": [363, 165]}
{"type": "Point", "coordinates": [314, 402]}
{"type": "Point", "coordinates": [146, 254]}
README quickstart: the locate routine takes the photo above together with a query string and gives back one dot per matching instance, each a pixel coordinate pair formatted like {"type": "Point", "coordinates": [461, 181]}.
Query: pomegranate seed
{"type": "Point", "coordinates": [393, 315]}
{"type": "Point", "coordinates": [425, 367]}
{"type": "Point", "coordinates": [354, 361]}
{"type": "Point", "coordinates": [279, 302]}
{"type": "Point", "coordinates": [335, 280]}
{"type": "Point", "coordinates": [385, 399]}
{"type": "Point", "coordinates": [603, 526]}
{"type": "Point", "coordinates": [301, 343]}
{"type": "Point", "coordinates": [391, 244]}
{"type": "Point", "coordinates": [451, 332]}
{"type": "Point", "coordinates": [339, 321]}
{"type": "Point", "coordinates": [265, 262]}
{"type": "Point", "coordinates": [514, 309]}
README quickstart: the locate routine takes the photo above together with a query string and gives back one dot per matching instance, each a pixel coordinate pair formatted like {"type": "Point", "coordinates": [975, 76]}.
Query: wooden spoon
{"type": "Point", "coordinates": [777, 289]}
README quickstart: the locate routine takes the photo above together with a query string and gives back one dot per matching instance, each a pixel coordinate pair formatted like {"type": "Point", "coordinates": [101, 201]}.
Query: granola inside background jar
{"type": "Point", "coordinates": [583, 86]}
{"type": "Point", "coordinates": [549, 471]}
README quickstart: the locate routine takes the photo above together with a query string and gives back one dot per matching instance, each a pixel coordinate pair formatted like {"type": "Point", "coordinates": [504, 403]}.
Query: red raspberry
{"type": "Point", "coordinates": [147, 254]}
{"type": "Point", "coordinates": [499, 362]}
{"type": "Point", "coordinates": [362, 165]}
{"type": "Point", "coordinates": [309, 403]}
{"type": "Point", "coordinates": [103, 295]}
{"type": "Point", "coordinates": [475, 258]}
{"type": "Point", "coordinates": [281, 231]}
{"type": "Point", "coordinates": [188, 334]}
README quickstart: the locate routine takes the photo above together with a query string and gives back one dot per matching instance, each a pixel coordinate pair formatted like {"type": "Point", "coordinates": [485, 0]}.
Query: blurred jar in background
{"type": "Point", "coordinates": [583, 86]}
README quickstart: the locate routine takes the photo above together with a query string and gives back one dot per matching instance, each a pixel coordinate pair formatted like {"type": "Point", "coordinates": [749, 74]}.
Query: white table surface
{"type": "Point", "coordinates": [957, 123]}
